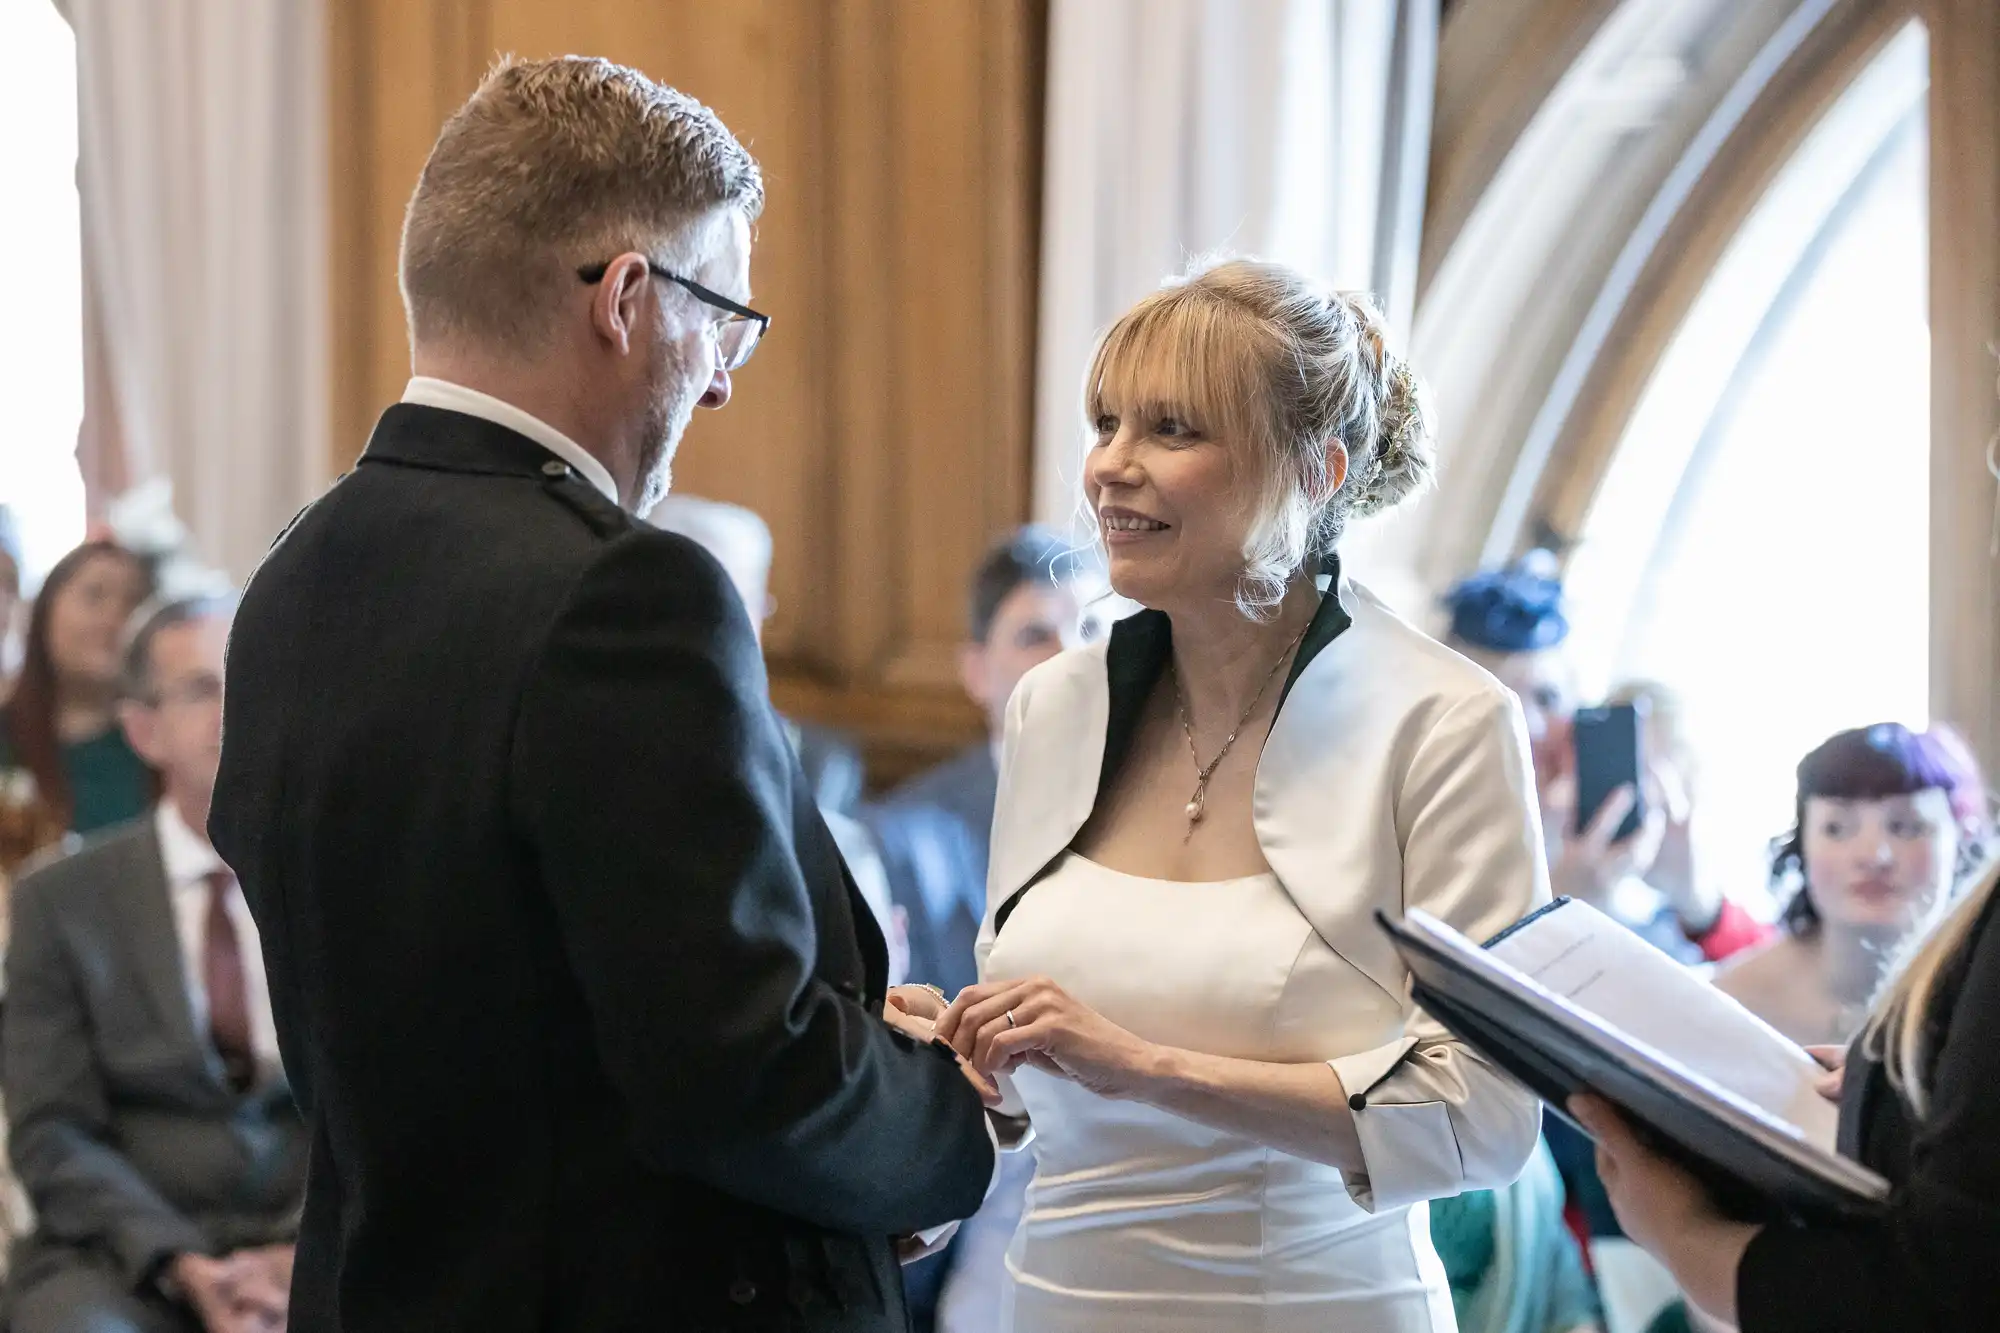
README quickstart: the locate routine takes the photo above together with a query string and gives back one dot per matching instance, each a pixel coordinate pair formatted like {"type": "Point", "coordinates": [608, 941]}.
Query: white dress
{"type": "Point", "coordinates": [1138, 1219]}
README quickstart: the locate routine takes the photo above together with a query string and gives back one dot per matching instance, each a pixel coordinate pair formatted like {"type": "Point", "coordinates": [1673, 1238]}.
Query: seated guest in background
{"type": "Point", "coordinates": [65, 765]}
{"type": "Point", "coordinates": [1513, 622]}
{"type": "Point", "coordinates": [740, 541]}
{"type": "Point", "coordinates": [1026, 605]}
{"type": "Point", "coordinates": [1888, 822]}
{"type": "Point", "coordinates": [1512, 1264]}
{"type": "Point", "coordinates": [150, 1121]}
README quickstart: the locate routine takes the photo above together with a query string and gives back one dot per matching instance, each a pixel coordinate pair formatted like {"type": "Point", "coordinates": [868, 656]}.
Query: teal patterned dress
{"type": "Point", "coordinates": [1513, 1265]}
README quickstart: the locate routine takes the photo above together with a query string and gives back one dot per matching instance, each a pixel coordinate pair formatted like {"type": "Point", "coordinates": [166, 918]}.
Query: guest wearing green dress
{"type": "Point", "coordinates": [65, 766]}
{"type": "Point", "coordinates": [1514, 1267]}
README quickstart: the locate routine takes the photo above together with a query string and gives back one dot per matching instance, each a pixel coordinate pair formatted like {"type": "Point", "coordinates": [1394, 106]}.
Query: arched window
{"type": "Point", "coordinates": [41, 311]}
{"type": "Point", "coordinates": [1760, 540]}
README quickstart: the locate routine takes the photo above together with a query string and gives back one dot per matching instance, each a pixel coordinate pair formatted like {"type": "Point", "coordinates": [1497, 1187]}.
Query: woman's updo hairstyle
{"type": "Point", "coordinates": [1258, 352]}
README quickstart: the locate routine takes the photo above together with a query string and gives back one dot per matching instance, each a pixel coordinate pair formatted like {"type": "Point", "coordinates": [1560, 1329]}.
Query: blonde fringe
{"type": "Point", "coordinates": [1898, 1030]}
{"type": "Point", "coordinates": [1258, 352]}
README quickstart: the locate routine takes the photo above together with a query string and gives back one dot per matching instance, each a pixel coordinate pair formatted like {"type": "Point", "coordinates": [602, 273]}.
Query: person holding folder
{"type": "Point", "coordinates": [1920, 1104]}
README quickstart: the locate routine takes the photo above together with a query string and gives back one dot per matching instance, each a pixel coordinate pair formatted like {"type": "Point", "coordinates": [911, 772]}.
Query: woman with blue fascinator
{"type": "Point", "coordinates": [1514, 621]}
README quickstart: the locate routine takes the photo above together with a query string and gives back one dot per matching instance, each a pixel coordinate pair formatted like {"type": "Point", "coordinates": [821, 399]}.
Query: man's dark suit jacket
{"type": "Point", "coordinates": [580, 1002]}
{"type": "Point", "coordinates": [123, 1128]}
{"type": "Point", "coordinates": [935, 833]}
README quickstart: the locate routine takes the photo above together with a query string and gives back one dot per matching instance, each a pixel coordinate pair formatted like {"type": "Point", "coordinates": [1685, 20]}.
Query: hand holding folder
{"type": "Point", "coordinates": [1567, 1001]}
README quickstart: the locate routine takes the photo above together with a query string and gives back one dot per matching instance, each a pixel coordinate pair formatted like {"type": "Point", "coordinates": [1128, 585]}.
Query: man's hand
{"type": "Point", "coordinates": [925, 1002]}
{"type": "Point", "coordinates": [988, 1090]}
{"type": "Point", "coordinates": [917, 1029]}
{"type": "Point", "coordinates": [210, 1288]}
{"type": "Point", "coordinates": [266, 1288]}
{"type": "Point", "coordinates": [246, 1292]}
{"type": "Point", "coordinates": [913, 1010]}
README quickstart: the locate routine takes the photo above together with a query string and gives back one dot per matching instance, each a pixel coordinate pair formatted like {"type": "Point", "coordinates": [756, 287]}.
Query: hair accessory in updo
{"type": "Point", "coordinates": [1517, 608]}
{"type": "Point", "coordinates": [1399, 431]}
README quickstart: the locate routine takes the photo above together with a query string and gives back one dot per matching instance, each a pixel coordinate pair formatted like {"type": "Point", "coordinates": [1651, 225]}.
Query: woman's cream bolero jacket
{"type": "Point", "coordinates": [1395, 776]}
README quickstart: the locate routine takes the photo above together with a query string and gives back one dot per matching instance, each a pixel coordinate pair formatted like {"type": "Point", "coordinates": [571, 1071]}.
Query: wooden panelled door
{"type": "Point", "coordinates": [883, 430]}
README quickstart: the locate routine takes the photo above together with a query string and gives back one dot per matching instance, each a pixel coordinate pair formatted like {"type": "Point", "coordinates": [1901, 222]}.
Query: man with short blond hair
{"type": "Point", "coordinates": [585, 1013]}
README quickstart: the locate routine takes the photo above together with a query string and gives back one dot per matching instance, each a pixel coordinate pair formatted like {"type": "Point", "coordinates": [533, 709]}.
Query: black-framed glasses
{"type": "Point", "coordinates": [735, 337]}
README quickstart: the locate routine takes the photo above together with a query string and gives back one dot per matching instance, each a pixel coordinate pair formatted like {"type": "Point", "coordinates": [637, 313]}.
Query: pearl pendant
{"type": "Point", "coordinates": [1194, 809]}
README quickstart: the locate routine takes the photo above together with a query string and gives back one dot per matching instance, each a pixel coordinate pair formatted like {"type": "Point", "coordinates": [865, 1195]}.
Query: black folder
{"type": "Point", "coordinates": [1758, 1167]}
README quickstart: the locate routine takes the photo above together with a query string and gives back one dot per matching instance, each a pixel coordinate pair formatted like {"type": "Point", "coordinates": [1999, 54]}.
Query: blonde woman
{"type": "Point", "coordinates": [1921, 1105]}
{"type": "Point", "coordinates": [1238, 1116]}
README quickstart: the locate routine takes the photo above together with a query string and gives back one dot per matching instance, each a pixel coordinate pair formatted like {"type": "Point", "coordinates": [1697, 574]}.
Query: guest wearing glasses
{"type": "Point", "coordinates": [593, 1029]}
{"type": "Point", "coordinates": [151, 1122]}
{"type": "Point", "coordinates": [740, 541]}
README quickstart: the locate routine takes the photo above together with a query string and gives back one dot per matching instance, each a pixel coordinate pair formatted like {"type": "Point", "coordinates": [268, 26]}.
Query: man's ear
{"type": "Point", "coordinates": [619, 300]}
{"type": "Point", "coordinates": [142, 727]}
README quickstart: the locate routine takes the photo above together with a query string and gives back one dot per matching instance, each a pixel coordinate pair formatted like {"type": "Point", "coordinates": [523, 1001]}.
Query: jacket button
{"type": "Point", "coordinates": [742, 1291]}
{"type": "Point", "coordinates": [1358, 1102]}
{"type": "Point", "coordinates": [555, 467]}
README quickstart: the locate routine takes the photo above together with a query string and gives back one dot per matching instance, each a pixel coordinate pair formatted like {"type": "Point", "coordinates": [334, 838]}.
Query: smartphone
{"type": "Point", "coordinates": [1609, 748]}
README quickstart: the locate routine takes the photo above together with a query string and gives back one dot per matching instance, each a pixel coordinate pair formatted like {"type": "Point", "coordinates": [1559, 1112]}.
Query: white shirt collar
{"type": "Point", "coordinates": [184, 854]}
{"type": "Point", "coordinates": [428, 392]}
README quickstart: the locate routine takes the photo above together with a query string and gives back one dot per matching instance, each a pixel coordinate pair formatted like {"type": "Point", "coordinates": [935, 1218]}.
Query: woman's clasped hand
{"type": "Point", "coordinates": [1000, 1026]}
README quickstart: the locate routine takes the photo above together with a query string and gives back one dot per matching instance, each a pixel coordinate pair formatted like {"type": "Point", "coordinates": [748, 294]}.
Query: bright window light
{"type": "Point", "coordinates": [41, 301]}
{"type": "Point", "coordinates": [1762, 542]}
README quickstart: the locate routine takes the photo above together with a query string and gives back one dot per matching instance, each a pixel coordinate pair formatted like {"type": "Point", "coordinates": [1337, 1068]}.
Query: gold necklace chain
{"type": "Point", "coordinates": [1198, 803]}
